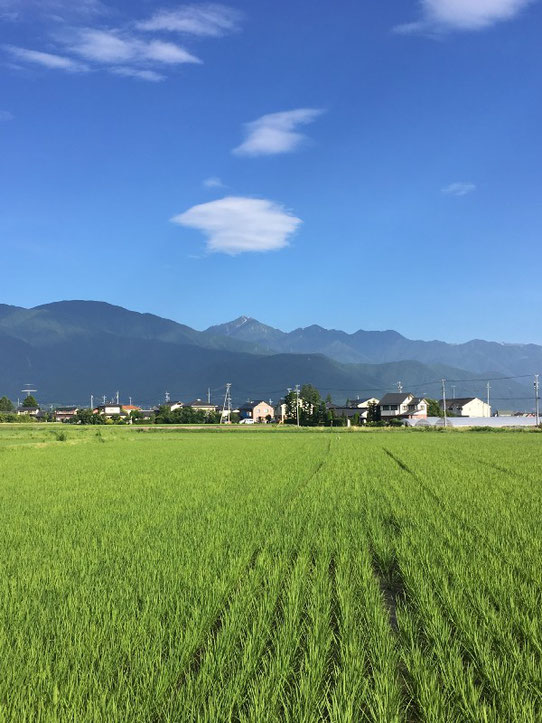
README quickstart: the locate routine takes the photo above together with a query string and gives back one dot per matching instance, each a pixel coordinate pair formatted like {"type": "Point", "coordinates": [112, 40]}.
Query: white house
{"type": "Point", "coordinates": [467, 407]}
{"type": "Point", "coordinates": [402, 404]}
{"type": "Point", "coordinates": [109, 410]}
{"type": "Point", "coordinates": [30, 411]}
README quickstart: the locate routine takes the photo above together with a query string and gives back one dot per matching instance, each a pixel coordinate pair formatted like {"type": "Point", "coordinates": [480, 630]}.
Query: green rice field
{"type": "Point", "coordinates": [269, 575]}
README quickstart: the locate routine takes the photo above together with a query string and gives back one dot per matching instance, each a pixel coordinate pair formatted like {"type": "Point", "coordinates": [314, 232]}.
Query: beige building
{"type": "Point", "coordinates": [467, 407]}
{"type": "Point", "coordinates": [258, 411]}
{"type": "Point", "coordinates": [202, 406]}
{"type": "Point", "coordinates": [65, 414]}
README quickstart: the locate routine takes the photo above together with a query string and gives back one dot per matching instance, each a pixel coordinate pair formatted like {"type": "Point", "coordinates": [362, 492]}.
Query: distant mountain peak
{"type": "Point", "coordinates": [240, 321]}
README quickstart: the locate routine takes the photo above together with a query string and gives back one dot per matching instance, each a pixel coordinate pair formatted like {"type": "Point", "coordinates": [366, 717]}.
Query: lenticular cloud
{"type": "Point", "coordinates": [235, 224]}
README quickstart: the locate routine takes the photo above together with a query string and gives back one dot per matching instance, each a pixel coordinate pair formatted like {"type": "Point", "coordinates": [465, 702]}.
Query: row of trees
{"type": "Point", "coordinates": [6, 405]}
{"type": "Point", "coordinates": [7, 409]}
{"type": "Point", "coordinates": [164, 415]}
{"type": "Point", "coordinates": [185, 415]}
{"type": "Point", "coordinates": [315, 412]}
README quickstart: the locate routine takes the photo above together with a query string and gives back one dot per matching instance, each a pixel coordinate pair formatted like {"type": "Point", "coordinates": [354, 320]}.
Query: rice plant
{"type": "Point", "coordinates": [270, 577]}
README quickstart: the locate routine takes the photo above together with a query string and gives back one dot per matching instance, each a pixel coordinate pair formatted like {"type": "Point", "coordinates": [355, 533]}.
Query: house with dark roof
{"type": "Point", "coordinates": [202, 406]}
{"type": "Point", "coordinates": [65, 414]}
{"type": "Point", "coordinates": [402, 405]}
{"type": "Point", "coordinates": [258, 411]}
{"type": "Point", "coordinates": [110, 409]}
{"type": "Point", "coordinates": [467, 407]}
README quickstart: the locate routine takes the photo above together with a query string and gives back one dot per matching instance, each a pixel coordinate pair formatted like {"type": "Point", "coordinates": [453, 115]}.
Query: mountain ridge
{"type": "Point", "coordinates": [71, 349]}
{"type": "Point", "coordinates": [477, 355]}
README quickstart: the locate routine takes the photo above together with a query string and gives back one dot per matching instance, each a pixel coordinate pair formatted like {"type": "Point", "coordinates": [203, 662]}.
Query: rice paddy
{"type": "Point", "coordinates": [183, 576]}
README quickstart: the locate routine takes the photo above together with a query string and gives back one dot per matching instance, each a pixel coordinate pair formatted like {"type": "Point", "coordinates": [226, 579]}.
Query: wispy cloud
{"type": "Point", "coordinates": [57, 9]}
{"type": "Point", "coordinates": [136, 50]}
{"type": "Point", "coordinates": [236, 224]}
{"type": "Point", "coordinates": [149, 75]}
{"type": "Point", "coordinates": [5, 116]}
{"type": "Point", "coordinates": [276, 132]}
{"type": "Point", "coordinates": [207, 19]}
{"type": "Point", "coordinates": [441, 15]}
{"type": "Point", "coordinates": [47, 60]}
{"type": "Point", "coordinates": [112, 47]}
{"type": "Point", "coordinates": [213, 182]}
{"type": "Point", "coordinates": [459, 188]}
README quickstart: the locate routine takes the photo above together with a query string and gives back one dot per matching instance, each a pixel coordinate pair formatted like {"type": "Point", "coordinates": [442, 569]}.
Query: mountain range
{"type": "Point", "coordinates": [69, 350]}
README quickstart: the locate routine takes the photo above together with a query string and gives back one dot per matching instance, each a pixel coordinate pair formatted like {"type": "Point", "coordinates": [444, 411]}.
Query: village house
{"type": "Point", "coordinates": [110, 410]}
{"type": "Point", "coordinates": [31, 411]}
{"type": "Point", "coordinates": [402, 405]}
{"type": "Point", "coordinates": [467, 407]}
{"type": "Point", "coordinates": [258, 411]}
{"type": "Point", "coordinates": [202, 406]}
{"type": "Point", "coordinates": [65, 414]}
{"type": "Point", "coordinates": [172, 406]}
{"type": "Point", "coordinates": [356, 407]}
{"type": "Point", "coordinates": [147, 413]}
{"type": "Point", "coordinates": [127, 408]}
{"type": "Point", "coordinates": [362, 403]}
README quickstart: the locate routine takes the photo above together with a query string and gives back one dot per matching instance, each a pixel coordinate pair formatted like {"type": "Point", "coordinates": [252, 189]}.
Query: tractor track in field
{"type": "Point", "coordinates": [334, 654]}
{"type": "Point", "coordinates": [393, 590]}
{"type": "Point", "coordinates": [473, 531]}
{"type": "Point", "coordinates": [485, 683]}
{"type": "Point", "coordinates": [210, 636]}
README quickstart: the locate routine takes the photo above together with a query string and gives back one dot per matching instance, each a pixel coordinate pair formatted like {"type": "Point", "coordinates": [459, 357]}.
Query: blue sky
{"type": "Point", "coordinates": [354, 164]}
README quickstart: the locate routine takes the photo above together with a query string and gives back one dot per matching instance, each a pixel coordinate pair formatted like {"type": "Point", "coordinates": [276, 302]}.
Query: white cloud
{"type": "Point", "coordinates": [48, 60]}
{"type": "Point", "coordinates": [463, 14]}
{"type": "Point", "coordinates": [112, 47]}
{"type": "Point", "coordinates": [459, 188]}
{"type": "Point", "coordinates": [18, 9]}
{"type": "Point", "coordinates": [164, 52]}
{"type": "Point", "coordinates": [213, 182]}
{"type": "Point", "coordinates": [124, 50]}
{"type": "Point", "coordinates": [211, 20]}
{"type": "Point", "coordinates": [235, 224]}
{"type": "Point", "coordinates": [102, 46]}
{"type": "Point", "coordinates": [127, 72]}
{"type": "Point", "coordinates": [275, 132]}
{"type": "Point", "coordinates": [5, 115]}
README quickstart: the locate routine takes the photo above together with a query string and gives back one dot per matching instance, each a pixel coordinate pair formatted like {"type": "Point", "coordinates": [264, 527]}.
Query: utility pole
{"type": "Point", "coordinates": [444, 402]}
{"type": "Point", "coordinates": [297, 403]}
{"type": "Point", "coordinates": [226, 407]}
{"type": "Point", "coordinates": [537, 398]}
{"type": "Point", "coordinates": [488, 404]}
